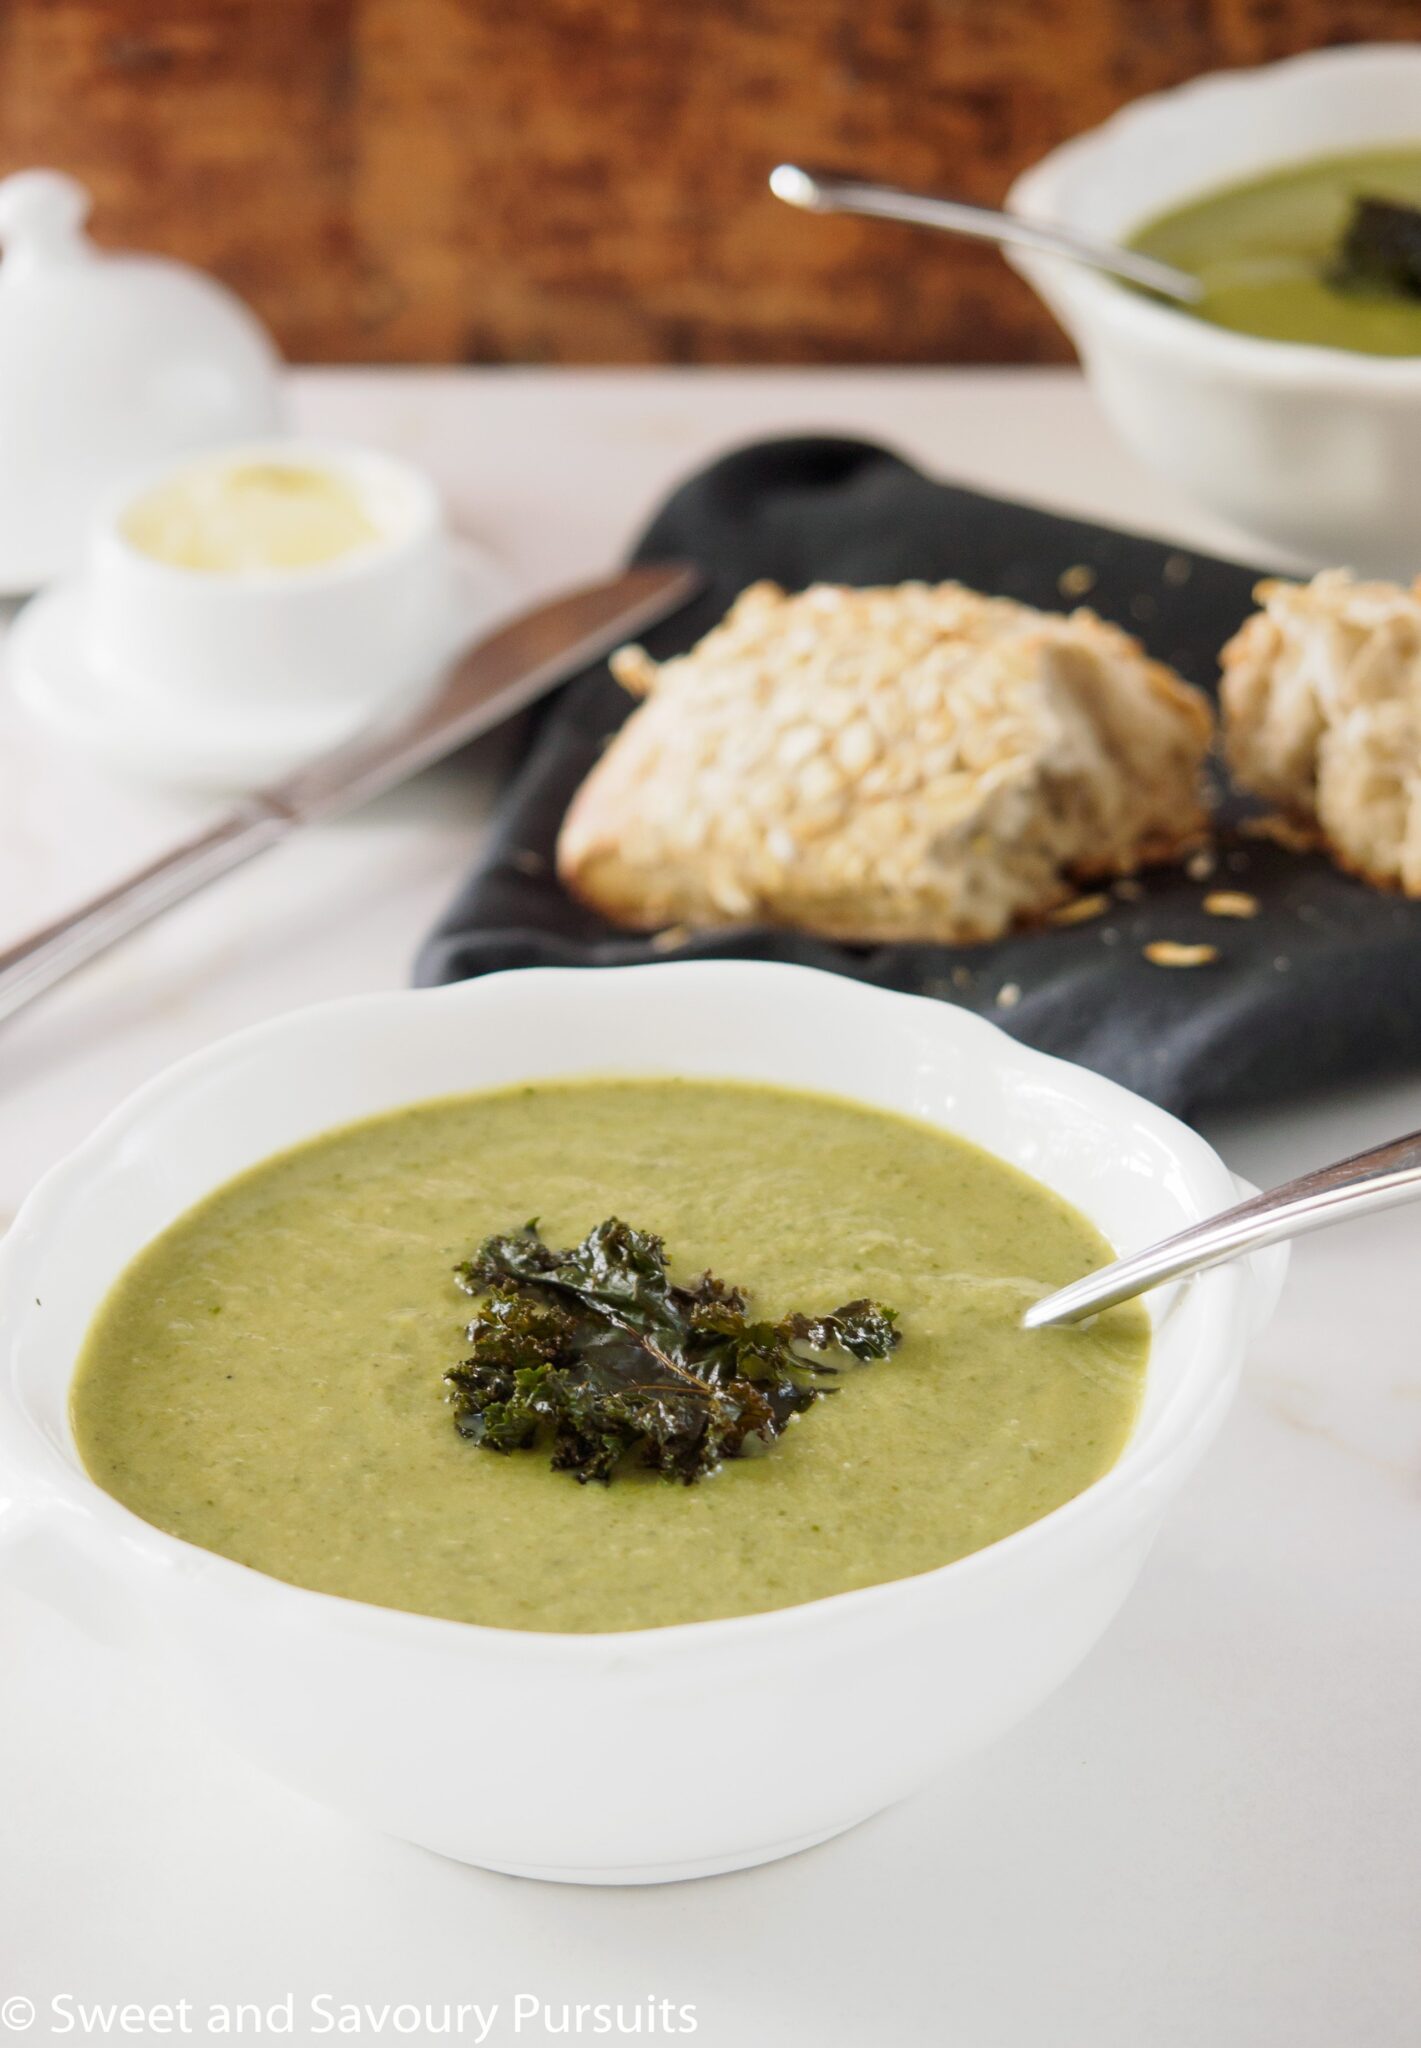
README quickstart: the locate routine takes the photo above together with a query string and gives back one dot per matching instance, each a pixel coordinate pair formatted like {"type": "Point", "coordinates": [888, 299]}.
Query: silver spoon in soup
{"type": "Point", "coordinates": [829, 192]}
{"type": "Point", "coordinates": [1376, 1179]}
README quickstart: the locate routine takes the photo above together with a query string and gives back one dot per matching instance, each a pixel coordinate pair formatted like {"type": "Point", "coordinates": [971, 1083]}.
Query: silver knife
{"type": "Point", "coordinates": [501, 675]}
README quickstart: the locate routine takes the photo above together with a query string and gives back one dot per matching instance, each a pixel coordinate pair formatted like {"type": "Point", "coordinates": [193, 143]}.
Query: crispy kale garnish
{"type": "Point", "coordinates": [596, 1349]}
{"type": "Point", "coordinates": [1380, 248]}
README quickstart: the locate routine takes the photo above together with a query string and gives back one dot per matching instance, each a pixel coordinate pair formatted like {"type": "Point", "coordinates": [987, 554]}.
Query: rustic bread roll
{"type": "Point", "coordinates": [909, 763]}
{"type": "Point", "coordinates": [1322, 715]}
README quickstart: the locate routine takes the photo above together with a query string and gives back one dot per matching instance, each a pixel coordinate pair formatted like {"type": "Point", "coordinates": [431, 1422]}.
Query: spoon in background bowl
{"type": "Point", "coordinates": [829, 192]}
{"type": "Point", "coordinates": [1376, 1179]}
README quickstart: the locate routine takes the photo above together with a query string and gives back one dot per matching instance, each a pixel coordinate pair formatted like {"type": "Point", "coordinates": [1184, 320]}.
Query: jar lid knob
{"type": "Point", "coordinates": [42, 216]}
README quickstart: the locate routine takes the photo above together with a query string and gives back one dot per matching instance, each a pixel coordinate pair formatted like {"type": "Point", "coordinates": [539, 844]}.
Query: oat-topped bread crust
{"type": "Point", "coordinates": [1322, 715]}
{"type": "Point", "coordinates": [916, 762]}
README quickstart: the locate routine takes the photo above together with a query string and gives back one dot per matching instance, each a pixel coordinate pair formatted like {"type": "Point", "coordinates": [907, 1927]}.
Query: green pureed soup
{"type": "Point", "coordinates": [266, 1378]}
{"type": "Point", "coordinates": [1268, 254]}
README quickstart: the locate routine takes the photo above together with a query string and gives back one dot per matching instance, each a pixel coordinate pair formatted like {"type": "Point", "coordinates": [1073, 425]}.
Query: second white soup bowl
{"type": "Point", "coordinates": [1315, 451]}
{"type": "Point", "coordinates": [883, 1687]}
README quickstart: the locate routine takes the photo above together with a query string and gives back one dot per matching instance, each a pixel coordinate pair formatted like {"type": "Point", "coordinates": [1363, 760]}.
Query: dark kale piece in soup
{"type": "Point", "coordinates": [1380, 248]}
{"type": "Point", "coordinates": [596, 1347]}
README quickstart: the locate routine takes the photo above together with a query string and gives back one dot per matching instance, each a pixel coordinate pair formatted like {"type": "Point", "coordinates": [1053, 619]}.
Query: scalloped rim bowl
{"type": "Point", "coordinates": [346, 1701]}
{"type": "Point", "coordinates": [1315, 451]}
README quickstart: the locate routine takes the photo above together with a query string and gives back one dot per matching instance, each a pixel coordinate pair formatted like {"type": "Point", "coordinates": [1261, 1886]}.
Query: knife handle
{"type": "Point", "coordinates": [504, 673]}
{"type": "Point", "coordinates": [46, 956]}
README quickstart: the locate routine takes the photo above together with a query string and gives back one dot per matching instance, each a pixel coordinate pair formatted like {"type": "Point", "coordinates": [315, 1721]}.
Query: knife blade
{"type": "Point", "coordinates": [501, 675]}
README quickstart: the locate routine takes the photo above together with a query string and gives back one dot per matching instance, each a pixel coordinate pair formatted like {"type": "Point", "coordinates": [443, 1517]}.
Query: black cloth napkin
{"type": "Point", "coordinates": [1323, 984]}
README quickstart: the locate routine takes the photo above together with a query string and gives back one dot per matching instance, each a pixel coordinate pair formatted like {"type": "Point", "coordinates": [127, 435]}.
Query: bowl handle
{"type": "Point", "coordinates": [1266, 1270]}
{"type": "Point", "coordinates": [47, 1551]}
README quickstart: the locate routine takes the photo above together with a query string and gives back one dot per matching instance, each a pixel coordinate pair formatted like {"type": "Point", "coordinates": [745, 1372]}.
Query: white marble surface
{"type": "Point", "coordinates": [1211, 1835]}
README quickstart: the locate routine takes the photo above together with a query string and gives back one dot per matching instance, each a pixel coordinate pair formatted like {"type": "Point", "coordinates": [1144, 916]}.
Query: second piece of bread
{"type": "Point", "coordinates": [1322, 716]}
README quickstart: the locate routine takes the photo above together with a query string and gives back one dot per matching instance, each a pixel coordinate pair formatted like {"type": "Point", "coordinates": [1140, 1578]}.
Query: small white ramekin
{"type": "Point", "coordinates": [341, 635]}
{"type": "Point", "coordinates": [883, 1688]}
{"type": "Point", "coordinates": [224, 679]}
{"type": "Point", "coordinates": [1313, 451]}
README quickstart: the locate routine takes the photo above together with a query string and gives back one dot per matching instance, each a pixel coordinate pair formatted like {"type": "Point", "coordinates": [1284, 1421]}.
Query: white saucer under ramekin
{"type": "Point", "coordinates": [875, 1691]}
{"type": "Point", "coordinates": [50, 666]}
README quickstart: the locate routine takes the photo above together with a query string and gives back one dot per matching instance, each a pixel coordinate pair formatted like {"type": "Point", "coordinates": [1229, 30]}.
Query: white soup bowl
{"type": "Point", "coordinates": [1316, 452]}
{"type": "Point", "coordinates": [883, 1687]}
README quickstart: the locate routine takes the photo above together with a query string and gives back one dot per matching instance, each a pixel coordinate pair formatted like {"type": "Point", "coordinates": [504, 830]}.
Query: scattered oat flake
{"type": "Point", "coordinates": [1178, 569]}
{"type": "Point", "coordinates": [673, 936]}
{"type": "Point", "coordinates": [1201, 865]}
{"type": "Point", "coordinates": [1079, 909]}
{"type": "Point", "coordinates": [1008, 995]}
{"type": "Point", "coordinates": [1170, 953]}
{"type": "Point", "coordinates": [1284, 832]}
{"type": "Point", "coordinates": [1231, 903]}
{"type": "Point", "coordinates": [1077, 580]}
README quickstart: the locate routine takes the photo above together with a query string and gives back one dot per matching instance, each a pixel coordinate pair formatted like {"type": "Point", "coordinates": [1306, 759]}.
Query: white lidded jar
{"type": "Point", "coordinates": [108, 363]}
